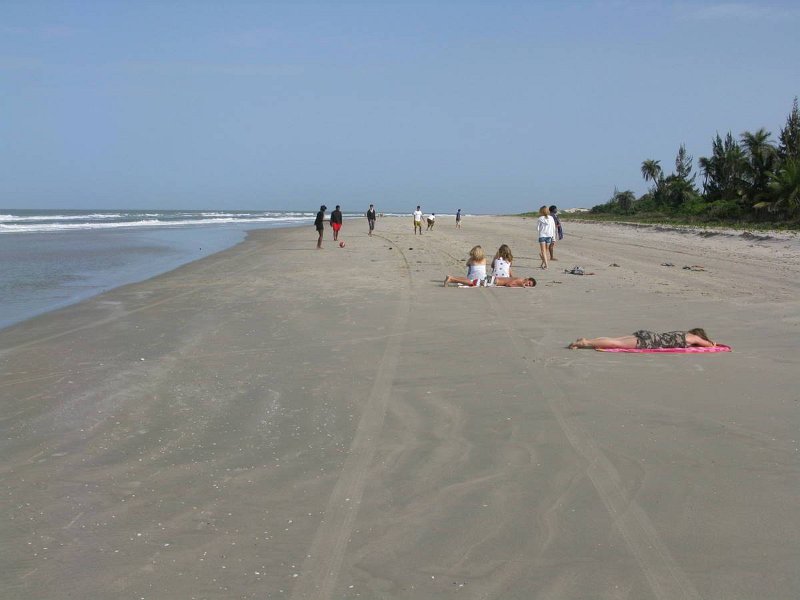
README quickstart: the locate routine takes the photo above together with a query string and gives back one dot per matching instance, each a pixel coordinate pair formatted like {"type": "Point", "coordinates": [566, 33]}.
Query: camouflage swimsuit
{"type": "Point", "coordinates": [650, 339]}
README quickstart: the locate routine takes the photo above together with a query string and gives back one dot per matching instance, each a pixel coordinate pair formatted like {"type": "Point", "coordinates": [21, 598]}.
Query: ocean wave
{"type": "Point", "coordinates": [51, 227]}
{"type": "Point", "coordinates": [36, 218]}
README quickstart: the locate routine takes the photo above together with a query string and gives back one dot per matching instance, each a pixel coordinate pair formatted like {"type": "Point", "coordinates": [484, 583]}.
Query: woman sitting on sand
{"type": "Point", "coordinates": [644, 339]}
{"type": "Point", "coordinates": [476, 269]}
{"type": "Point", "coordinates": [501, 263]}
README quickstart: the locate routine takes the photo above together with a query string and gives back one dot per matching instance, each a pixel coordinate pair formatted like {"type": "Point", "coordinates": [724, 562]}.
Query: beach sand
{"type": "Point", "coordinates": [280, 422]}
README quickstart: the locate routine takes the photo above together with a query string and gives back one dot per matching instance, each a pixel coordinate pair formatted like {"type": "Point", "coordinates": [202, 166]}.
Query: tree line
{"type": "Point", "coordinates": [751, 179]}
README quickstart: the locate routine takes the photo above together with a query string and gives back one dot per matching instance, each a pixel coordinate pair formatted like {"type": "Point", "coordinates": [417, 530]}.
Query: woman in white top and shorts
{"type": "Point", "coordinates": [547, 231]}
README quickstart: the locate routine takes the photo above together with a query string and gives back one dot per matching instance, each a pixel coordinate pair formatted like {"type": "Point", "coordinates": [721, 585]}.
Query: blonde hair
{"type": "Point", "coordinates": [544, 211]}
{"type": "Point", "coordinates": [476, 255]}
{"type": "Point", "coordinates": [504, 252]}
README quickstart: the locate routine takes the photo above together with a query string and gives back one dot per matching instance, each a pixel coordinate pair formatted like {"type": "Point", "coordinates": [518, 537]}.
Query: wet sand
{"type": "Point", "coordinates": [280, 422]}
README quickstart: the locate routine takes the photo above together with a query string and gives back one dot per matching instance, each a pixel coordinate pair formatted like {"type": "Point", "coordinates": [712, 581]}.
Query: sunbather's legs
{"type": "Point", "coordinates": [454, 279]}
{"type": "Point", "coordinates": [626, 341]}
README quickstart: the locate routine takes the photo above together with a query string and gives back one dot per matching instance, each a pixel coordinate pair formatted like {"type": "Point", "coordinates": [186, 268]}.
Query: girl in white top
{"type": "Point", "coordinates": [476, 269]}
{"type": "Point", "coordinates": [501, 263]}
{"type": "Point", "coordinates": [547, 231]}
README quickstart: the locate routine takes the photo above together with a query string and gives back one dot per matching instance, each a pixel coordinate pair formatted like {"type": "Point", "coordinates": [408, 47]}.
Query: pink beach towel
{"type": "Point", "coordinates": [691, 349]}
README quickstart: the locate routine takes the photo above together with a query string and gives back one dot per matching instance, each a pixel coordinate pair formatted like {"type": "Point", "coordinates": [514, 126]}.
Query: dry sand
{"type": "Point", "coordinates": [280, 422]}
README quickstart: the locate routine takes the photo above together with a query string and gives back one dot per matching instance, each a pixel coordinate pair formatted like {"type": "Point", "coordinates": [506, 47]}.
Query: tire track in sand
{"type": "Point", "coordinates": [323, 563]}
{"type": "Point", "coordinates": [664, 576]}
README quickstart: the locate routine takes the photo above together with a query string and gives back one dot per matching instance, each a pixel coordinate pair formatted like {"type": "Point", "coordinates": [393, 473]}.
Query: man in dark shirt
{"type": "Point", "coordinates": [336, 222]}
{"type": "Point", "coordinates": [371, 218]}
{"type": "Point", "coordinates": [318, 223]}
{"type": "Point", "coordinates": [559, 232]}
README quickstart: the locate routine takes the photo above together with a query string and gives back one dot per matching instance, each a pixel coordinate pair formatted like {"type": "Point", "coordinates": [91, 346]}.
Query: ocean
{"type": "Point", "coordinates": [53, 258]}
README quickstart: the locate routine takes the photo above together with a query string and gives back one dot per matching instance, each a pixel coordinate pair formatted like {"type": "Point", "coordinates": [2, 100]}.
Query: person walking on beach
{"type": "Point", "coordinates": [431, 221]}
{"type": "Point", "coordinates": [547, 230]}
{"type": "Point", "coordinates": [559, 232]}
{"type": "Point", "coordinates": [418, 221]}
{"type": "Point", "coordinates": [319, 223]}
{"type": "Point", "coordinates": [371, 218]}
{"type": "Point", "coordinates": [336, 222]}
{"type": "Point", "coordinates": [458, 219]}
{"type": "Point", "coordinates": [644, 339]}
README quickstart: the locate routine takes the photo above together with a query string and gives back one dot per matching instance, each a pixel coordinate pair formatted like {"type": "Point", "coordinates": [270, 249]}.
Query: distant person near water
{"type": "Point", "coordinates": [431, 220]}
{"type": "Point", "coordinates": [418, 221]}
{"type": "Point", "coordinates": [547, 230]}
{"type": "Point", "coordinates": [559, 231]}
{"type": "Point", "coordinates": [458, 219]}
{"type": "Point", "coordinates": [319, 223]}
{"type": "Point", "coordinates": [644, 339]}
{"type": "Point", "coordinates": [371, 218]}
{"type": "Point", "coordinates": [336, 222]}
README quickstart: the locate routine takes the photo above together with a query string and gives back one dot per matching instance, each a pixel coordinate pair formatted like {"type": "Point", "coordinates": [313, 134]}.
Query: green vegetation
{"type": "Point", "coordinates": [751, 181]}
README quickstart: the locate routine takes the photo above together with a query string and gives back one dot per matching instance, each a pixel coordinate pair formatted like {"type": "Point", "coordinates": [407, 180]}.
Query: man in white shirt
{"type": "Point", "coordinates": [418, 221]}
{"type": "Point", "coordinates": [431, 220]}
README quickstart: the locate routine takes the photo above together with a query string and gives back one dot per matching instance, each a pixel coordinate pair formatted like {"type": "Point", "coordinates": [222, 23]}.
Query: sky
{"type": "Point", "coordinates": [491, 107]}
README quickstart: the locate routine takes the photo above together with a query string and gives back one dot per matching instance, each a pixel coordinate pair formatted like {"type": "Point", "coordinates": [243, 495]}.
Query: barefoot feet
{"type": "Point", "coordinates": [579, 343]}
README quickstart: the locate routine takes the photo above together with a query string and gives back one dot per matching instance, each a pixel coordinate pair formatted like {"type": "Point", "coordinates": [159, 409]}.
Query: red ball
{"type": "Point", "coordinates": [341, 244]}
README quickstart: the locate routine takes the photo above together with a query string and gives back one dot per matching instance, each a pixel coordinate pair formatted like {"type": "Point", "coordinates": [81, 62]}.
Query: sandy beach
{"type": "Point", "coordinates": [275, 421]}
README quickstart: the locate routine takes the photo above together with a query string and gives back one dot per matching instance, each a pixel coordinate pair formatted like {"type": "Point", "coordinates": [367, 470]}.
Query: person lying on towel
{"type": "Point", "coordinates": [644, 339]}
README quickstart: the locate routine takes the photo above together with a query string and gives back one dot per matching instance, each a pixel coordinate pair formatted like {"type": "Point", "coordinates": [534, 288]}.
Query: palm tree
{"type": "Point", "coordinates": [651, 170]}
{"type": "Point", "coordinates": [761, 160]}
{"type": "Point", "coordinates": [784, 187]}
{"type": "Point", "coordinates": [758, 144]}
{"type": "Point", "coordinates": [625, 200]}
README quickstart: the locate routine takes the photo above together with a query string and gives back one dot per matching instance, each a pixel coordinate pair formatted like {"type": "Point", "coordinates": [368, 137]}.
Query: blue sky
{"type": "Point", "coordinates": [493, 107]}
